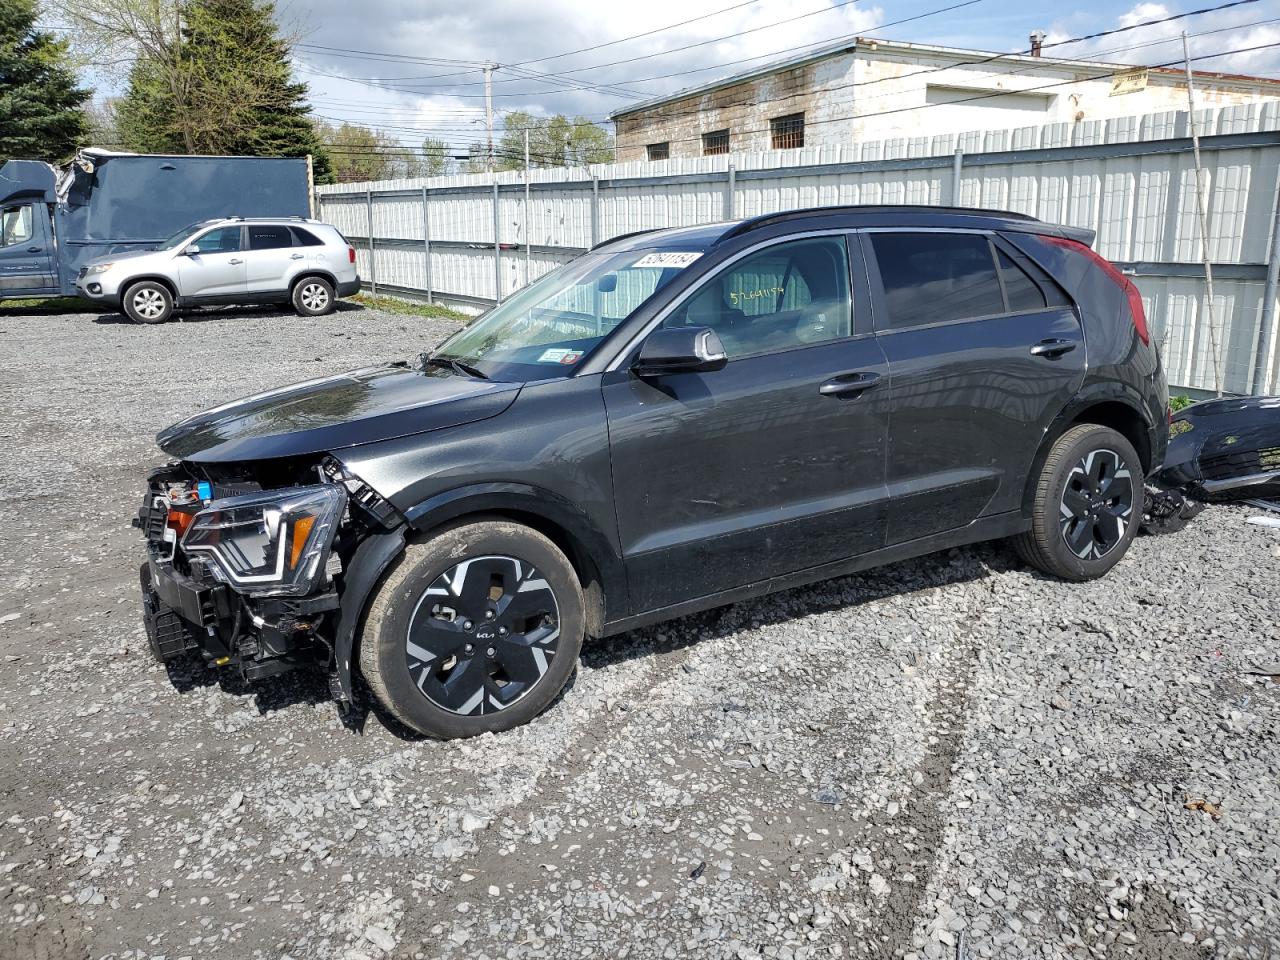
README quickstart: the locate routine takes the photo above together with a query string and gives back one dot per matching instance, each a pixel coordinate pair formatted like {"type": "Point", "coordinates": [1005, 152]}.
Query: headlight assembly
{"type": "Point", "coordinates": [98, 268]}
{"type": "Point", "coordinates": [273, 543]}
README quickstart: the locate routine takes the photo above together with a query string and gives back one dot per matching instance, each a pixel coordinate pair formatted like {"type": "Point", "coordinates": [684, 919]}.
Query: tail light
{"type": "Point", "coordinates": [1136, 310]}
{"type": "Point", "coordinates": [351, 254]}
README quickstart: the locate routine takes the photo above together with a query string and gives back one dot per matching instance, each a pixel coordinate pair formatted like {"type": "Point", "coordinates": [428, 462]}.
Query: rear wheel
{"type": "Point", "coordinates": [475, 630]}
{"type": "Point", "coordinates": [148, 302]}
{"type": "Point", "coordinates": [313, 296]}
{"type": "Point", "coordinates": [1087, 504]}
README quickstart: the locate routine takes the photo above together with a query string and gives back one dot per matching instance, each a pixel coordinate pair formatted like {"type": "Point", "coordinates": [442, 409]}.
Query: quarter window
{"type": "Point", "coordinates": [785, 296]}
{"type": "Point", "coordinates": [268, 237]}
{"type": "Point", "coordinates": [1017, 271]}
{"type": "Point", "coordinates": [932, 277]}
{"type": "Point", "coordinates": [305, 238]}
{"type": "Point", "coordinates": [222, 240]}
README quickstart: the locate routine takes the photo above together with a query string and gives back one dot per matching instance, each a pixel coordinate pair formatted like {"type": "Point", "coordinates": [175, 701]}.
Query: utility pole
{"type": "Point", "coordinates": [1202, 205]}
{"type": "Point", "coordinates": [488, 112]}
{"type": "Point", "coordinates": [528, 231]}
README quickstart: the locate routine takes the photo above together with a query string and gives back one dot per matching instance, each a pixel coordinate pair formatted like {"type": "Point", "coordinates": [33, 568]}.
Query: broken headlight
{"type": "Point", "coordinates": [273, 543]}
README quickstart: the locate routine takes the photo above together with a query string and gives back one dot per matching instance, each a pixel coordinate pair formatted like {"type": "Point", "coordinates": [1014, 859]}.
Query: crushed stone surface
{"type": "Point", "coordinates": [952, 757]}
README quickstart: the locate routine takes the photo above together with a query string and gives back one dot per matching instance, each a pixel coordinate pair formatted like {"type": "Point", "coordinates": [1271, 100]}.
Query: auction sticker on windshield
{"type": "Point", "coordinates": [677, 259]}
{"type": "Point", "coordinates": [560, 355]}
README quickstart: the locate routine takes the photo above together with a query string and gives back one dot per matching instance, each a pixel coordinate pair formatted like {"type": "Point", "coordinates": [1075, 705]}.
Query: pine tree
{"type": "Point", "coordinates": [41, 106]}
{"type": "Point", "coordinates": [224, 88]}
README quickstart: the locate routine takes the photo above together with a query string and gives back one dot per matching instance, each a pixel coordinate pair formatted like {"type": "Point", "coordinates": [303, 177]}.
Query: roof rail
{"type": "Point", "coordinates": [625, 236]}
{"type": "Point", "coordinates": [753, 223]}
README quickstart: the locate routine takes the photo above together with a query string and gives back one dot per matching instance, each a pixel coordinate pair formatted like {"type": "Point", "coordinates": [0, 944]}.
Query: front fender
{"type": "Point", "coordinates": [361, 574]}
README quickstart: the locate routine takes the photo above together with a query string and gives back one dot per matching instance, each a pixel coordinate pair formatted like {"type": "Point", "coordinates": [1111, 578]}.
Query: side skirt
{"type": "Point", "coordinates": [984, 528]}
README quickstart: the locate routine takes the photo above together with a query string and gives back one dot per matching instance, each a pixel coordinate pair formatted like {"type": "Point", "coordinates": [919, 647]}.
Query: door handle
{"type": "Point", "coordinates": [1053, 348]}
{"type": "Point", "coordinates": [848, 385]}
{"type": "Point", "coordinates": [298, 256]}
{"type": "Point", "coordinates": [34, 249]}
{"type": "Point", "coordinates": [234, 260]}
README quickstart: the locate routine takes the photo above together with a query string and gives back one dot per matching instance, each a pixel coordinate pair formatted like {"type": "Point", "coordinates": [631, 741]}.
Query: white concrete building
{"type": "Point", "coordinates": [869, 89]}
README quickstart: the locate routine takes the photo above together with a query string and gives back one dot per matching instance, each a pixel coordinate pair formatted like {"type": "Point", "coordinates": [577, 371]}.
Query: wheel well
{"type": "Point", "coordinates": [320, 274]}
{"type": "Point", "coordinates": [584, 565]}
{"type": "Point", "coordinates": [1123, 419]}
{"type": "Point", "coordinates": [163, 281]}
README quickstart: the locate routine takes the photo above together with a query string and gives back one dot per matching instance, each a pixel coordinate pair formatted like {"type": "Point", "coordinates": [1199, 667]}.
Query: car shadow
{"type": "Point", "coordinates": [246, 312]}
{"type": "Point", "coordinates": [310, 686]}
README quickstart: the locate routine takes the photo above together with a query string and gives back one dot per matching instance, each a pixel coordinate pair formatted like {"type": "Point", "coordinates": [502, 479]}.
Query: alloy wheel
{"type": "Point", "coordinates": [1097, 504]}
{"type": "Point", "coordinates": [314, 296]}
{"type": "Point", "coordinates": [482, 635]}
{"type": "Point", "coordinates": [149, 303]}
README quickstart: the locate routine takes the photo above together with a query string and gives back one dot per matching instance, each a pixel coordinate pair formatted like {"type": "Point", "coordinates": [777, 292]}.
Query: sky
{"type": "Point", "coordinates": [412, 68]}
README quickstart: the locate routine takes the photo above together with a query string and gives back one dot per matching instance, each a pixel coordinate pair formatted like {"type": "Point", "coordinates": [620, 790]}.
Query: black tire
{"type": "Point", "coordinates": [1087, 505]}
{"type": "Point", "coordinates": [147, 301]}
{"type": "Point", "coordinates": [461, 673]}
{"type": "Point", "coordinates": [313, 297]}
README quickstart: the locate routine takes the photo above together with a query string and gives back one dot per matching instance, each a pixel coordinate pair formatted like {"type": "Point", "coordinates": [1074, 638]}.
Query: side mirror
{"type": "Point", "coordinates": [680, 350]}
{"type": "Point", "coordinates": [191, 249]}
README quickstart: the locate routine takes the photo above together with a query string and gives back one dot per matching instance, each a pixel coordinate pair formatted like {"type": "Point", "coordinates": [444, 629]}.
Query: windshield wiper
{"type": "Point", "coordinates": [456, 365]}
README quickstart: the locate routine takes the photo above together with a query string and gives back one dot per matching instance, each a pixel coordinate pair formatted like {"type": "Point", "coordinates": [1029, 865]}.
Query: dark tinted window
{"type": "Point", "coordinates": [930, 277]}
{"type": "Point", "coordinates": [785, 296]}
{"type": "Point", "coordinates": [658, 151]}
{"type": "Point", "coordinates": [222, 240]}
{"type": "Point", "coordinates": [305, 238]}
{"type": "Point", "coordinates": [1054, 295]}
{"type": "Point", "coordinates": [1022, 291]}
{"type": "Point", "coordinates": [268, 237]}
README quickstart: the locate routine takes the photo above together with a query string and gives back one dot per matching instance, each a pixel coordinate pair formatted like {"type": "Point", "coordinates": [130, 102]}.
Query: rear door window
{"type": "Point", "coordinates": [936, 277]}
{"type": "Point", "coordinates": [269, 237]}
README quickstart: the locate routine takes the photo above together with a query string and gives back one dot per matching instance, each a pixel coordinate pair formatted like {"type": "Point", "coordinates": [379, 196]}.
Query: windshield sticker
{"type": "Point", "coordinates": [673, 259]}
{"type": "Point", "coordinates": [560, 355]}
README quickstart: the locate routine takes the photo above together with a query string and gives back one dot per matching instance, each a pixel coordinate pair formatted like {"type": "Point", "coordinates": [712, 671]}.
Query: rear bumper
{"type": "Point", "coordinates": [347, 288]}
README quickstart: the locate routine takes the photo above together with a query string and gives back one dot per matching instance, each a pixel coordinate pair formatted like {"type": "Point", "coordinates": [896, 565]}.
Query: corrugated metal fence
{"type": "Point", "coordinates": [468, 241]}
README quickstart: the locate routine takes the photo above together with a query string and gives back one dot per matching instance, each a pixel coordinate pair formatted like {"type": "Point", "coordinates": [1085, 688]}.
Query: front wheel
{"type": "Point", "coordinates": [313, 297]}
{"type": "Point", "coordinates": [1087, 504]}
{"type": "Point", "coordinates": [474, 631]}
{"type": "Point", "coordinates": [148, 302]}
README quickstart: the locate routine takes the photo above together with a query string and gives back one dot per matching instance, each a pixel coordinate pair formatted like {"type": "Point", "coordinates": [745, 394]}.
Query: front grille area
{"type": "Point", "coordinates": [1227, 465]}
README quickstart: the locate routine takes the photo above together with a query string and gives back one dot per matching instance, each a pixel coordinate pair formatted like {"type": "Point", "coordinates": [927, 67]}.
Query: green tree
{"type": "Point", "coordinates": [435, 157]}
{"type": "Point", "coordinates": [41, 105]}
{"type": "Point", "coordinates": [358, 153]}
{"type": "Point", "coordinates": [554, 141]}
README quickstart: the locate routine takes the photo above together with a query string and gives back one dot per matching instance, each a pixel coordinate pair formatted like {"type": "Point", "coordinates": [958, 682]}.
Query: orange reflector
{"type": "Point", "coordinates": [301, 530]}
{"type": "Point", "coordinates": [179, 520]}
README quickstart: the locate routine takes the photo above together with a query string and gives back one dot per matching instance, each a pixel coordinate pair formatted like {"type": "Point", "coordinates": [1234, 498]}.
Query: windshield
{"type": "Point", "coordinates": [181, 235]}
{"type": "Point", "coordinates": [547, 328]}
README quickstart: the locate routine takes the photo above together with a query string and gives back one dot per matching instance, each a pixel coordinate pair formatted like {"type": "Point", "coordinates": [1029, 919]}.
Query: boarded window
{"type": "Point", "coordinates": [715, 143]}
{"type": "Point", "coordinates": [659, 151]}
{"type": "Point", "coordinates": [787, 133]}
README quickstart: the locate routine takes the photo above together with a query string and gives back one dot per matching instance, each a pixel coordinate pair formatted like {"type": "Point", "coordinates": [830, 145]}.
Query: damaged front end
{"type": "Point", "coordinates": [1227, 449]}
{"type": "Point", "coordinates": [247, 565]}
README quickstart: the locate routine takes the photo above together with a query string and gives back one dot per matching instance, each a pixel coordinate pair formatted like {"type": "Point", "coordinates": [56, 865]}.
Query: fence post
{"type": "Point", "coordinates": [956, 164]}
{"type": "Point", "coordinates": [1267, 316]}
{"type": "Point", "coordinates": [729, 191]}
{"type": "Point", "coordinates": [373, 256]}
{"type": "Point", "coordinates": [497, 248]}
{"type": "Point", "coordinates": [595, 210]}
{"type": "Point", "coordinates": [426, 245]}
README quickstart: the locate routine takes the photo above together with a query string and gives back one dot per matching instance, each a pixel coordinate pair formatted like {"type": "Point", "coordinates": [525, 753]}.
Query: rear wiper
{"type": "Point", "coordinates": [457, 366]}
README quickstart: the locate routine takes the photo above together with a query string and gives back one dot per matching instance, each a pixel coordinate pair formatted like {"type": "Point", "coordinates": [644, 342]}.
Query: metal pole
{"type": "Point", "coordinates": [497, 248]}
{"type": "Point", "coordinates": [729, 189]}
{"type": "Point", "coordinates": [426, 245]}
{"type": "Point", "coordinates": [373, 258]}
{"type": "Point", "coordinates": [1267, 317]}
{"type": "Point", "coordinates": [957, 163]}
{"type": "Point", "coordinates": [488, 113]}
{"type": "Point", "coordinates": [1204, 222]}
{"type": "Point", "coordinates": [528, 231]}
{"type": "Point", "coordinates": [595, 210]}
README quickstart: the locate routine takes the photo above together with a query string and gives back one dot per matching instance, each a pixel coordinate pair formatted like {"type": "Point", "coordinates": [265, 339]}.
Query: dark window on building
{"type": "Point", "coordinates": [715, 143]}
{"type": "Point", "coordinates": [305, 238]}
{"type": "Point", "coordinates": [932, 277]}
{"type": "Point", "coordinates": [658, 151]}
{"type": "Point", "coordinates": [265, 237]}
{"type": "Point", "coordinates": [787, 133]}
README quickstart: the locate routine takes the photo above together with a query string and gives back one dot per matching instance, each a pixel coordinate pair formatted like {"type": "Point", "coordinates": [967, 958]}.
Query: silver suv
{"type": "Point", "coordinates": [303, 262]}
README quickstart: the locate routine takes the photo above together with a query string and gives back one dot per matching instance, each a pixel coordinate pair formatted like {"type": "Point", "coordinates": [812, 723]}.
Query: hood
{"type": "Point", "coordinates": [122, 255]}
{"type": "Point", "coordinates": [363, 406]}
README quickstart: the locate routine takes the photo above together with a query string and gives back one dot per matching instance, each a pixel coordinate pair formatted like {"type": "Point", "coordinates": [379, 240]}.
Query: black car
{"type": "Point", "coordinates": [677, 419]}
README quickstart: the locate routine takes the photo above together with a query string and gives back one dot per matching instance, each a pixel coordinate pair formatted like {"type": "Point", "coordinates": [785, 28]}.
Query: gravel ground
{"type": "Point", "coordinates": [947, 758]}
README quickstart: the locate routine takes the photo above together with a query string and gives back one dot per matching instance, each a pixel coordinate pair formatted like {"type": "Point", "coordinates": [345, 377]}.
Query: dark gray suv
{"type": "Point", "coordinates": [675, 420]}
